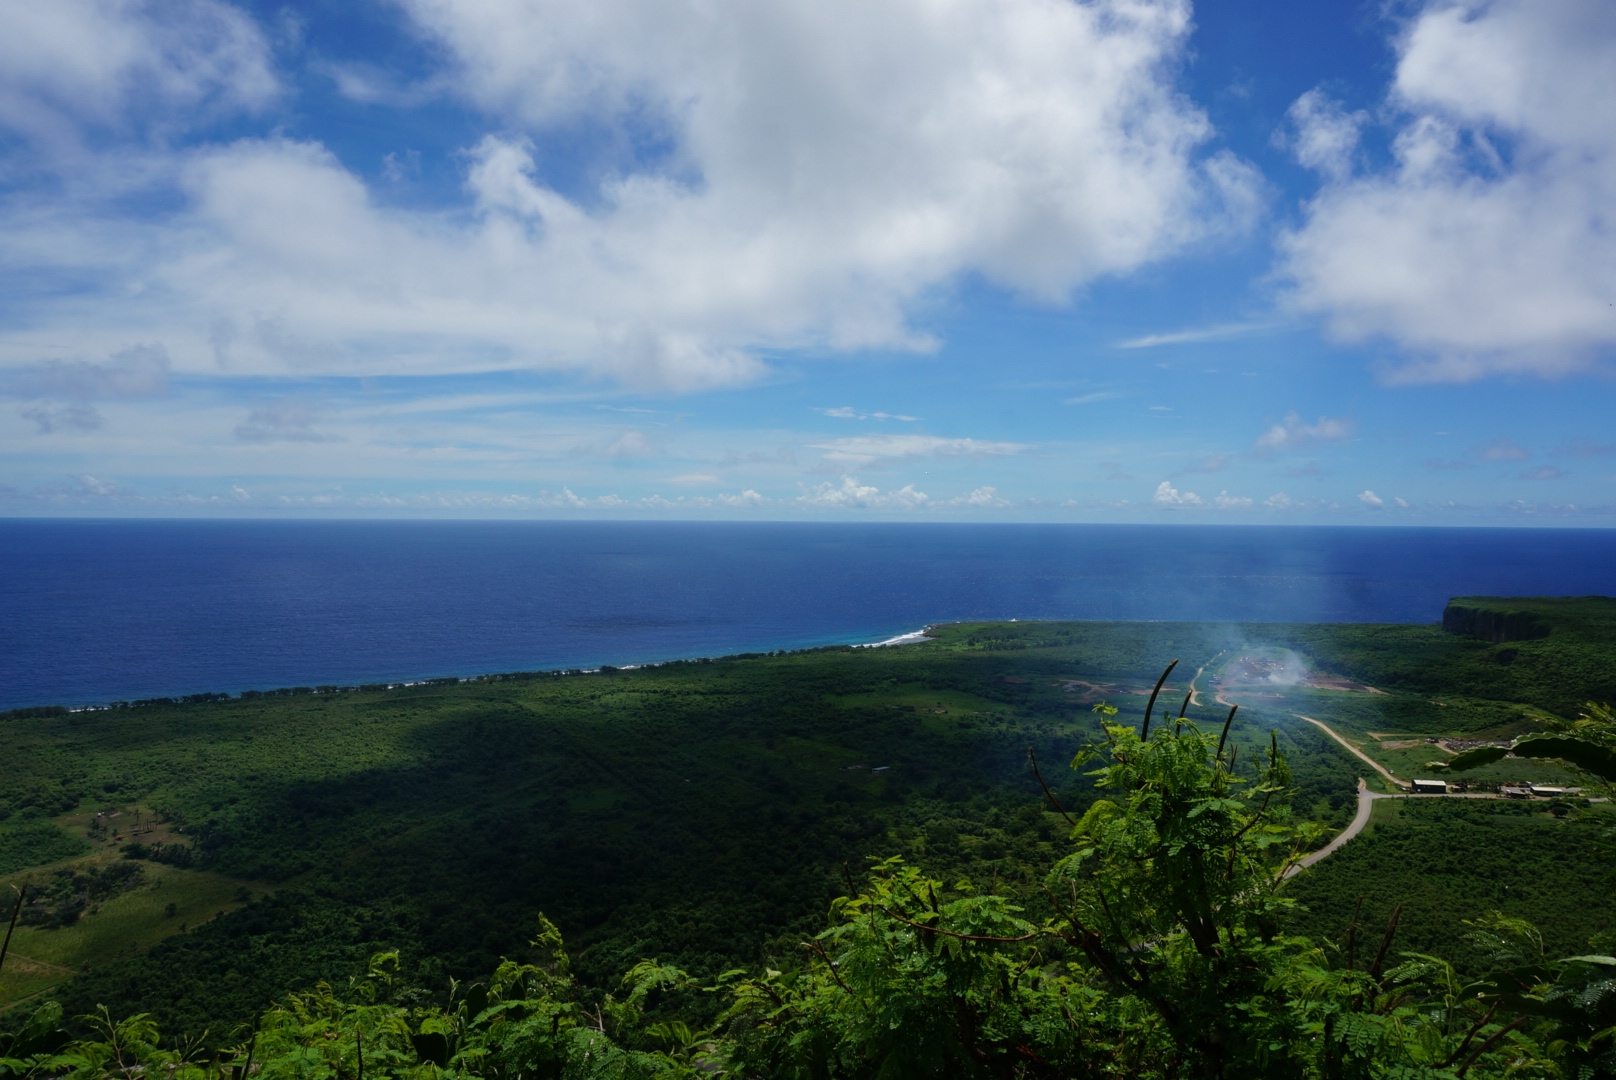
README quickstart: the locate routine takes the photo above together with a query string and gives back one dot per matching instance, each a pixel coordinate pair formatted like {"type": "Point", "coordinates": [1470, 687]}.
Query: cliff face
{"type": "Point", "coordinates": [1493, 624]}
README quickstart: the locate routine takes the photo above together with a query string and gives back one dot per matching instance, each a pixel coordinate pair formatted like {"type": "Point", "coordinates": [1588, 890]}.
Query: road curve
{"type": "Point", "coordinates": [1366, 806]}
{"type": "Point", "coordinates": [1371, 762]}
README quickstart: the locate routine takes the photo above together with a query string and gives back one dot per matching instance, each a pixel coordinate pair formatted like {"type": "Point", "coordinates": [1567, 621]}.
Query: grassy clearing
{"type": "Point", "coordinates": [168, 901]}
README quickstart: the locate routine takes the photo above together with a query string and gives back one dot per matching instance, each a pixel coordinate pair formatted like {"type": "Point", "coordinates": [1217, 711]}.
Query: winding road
{"type": "Point", "coordinates": [1366, 802]}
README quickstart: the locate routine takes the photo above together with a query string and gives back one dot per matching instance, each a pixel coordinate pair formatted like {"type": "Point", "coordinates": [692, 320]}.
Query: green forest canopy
{"type": "Point", "coordinates": [705, 814]}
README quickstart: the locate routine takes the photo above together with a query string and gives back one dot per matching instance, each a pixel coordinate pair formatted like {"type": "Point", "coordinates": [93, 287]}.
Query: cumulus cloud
{"type": "Point", "coordinates": [981, 498]}
{"type": "Point", "coordinates": [865, 449]}
{"type": "Point", "coordinates": [1225, 501]}
{"type": "Point", "coordinates": [1326, 135]}
{"type": "Point", "coordinates": [1278, 501]}
{"type": "Point", "coordinates": [1168, 495]}
{"type": "Point", "coordinates": [1293, 432]}
{"type": "Point", "coordinates": [828, 165]}
{"type": "Point", "coordinates": [1371, 500]}
{"type": "Point", "coordinates": [1484, 247]}
{"type": "Point", "coordinates": [852, 495]}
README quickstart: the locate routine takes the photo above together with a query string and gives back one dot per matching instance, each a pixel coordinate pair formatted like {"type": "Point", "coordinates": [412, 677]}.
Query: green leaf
{"type": "Point", "coordinates": [1599, 760]}
{"type": "Point", "coordinates": [1471, 759]}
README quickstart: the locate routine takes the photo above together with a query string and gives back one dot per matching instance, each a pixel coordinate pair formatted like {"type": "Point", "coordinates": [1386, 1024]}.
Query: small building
{"type": "Point", "coordinates": [1430, 787]}
{"type": "Point", "coordinates": [1516, 791]}
{"type": "Point", "coordinates": [1554, 791]}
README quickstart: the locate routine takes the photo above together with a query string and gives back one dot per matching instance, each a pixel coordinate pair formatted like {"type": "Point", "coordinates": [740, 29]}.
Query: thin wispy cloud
{"type": "Point", "coordinates": [1205, 333]}
{"type": "Point", "coordinates": [283, 420]}
{"type": "Point", "coordinates": [1501, 450]}
{"type": "Point", "coordinates": [847, 412]}
{"type": "Point", "coordinates": [866, 449]}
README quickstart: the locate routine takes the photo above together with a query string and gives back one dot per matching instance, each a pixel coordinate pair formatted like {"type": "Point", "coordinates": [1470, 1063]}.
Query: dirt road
{"type": "Point", "coordinates": [1371, 762]}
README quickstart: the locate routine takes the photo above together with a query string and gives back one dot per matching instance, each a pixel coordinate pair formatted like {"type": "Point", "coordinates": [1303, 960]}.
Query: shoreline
{"type": "Point", "coordinates": [902, 639]}
{"type": "Point", "coordinates": [35, 712]}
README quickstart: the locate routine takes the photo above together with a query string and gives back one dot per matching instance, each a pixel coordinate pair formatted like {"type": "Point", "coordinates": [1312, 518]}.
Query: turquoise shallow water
{"type": "Point", "coordinates": [95, 611]}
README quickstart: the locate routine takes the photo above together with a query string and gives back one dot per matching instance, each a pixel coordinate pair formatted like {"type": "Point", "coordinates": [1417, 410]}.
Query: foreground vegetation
{"type": "Point", "coordinates": [1162, 957]}
{"type": "Point", "coordinates": [706, 816]}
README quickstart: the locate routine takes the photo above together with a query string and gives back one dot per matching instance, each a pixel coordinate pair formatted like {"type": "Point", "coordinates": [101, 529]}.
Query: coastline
{"type": "Point", "coordinates": [902, 639]}
{"type": "Point", "coordinates": [40, 711]}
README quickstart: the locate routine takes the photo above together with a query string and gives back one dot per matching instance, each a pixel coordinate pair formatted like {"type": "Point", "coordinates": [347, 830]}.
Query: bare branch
{"type": "Point", "coordinates": [1050, 794]}
{"type": "Point", "coordinates": [1144, 729]}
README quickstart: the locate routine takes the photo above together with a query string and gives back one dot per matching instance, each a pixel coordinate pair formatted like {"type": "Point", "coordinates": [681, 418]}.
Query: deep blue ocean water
{"type": "Point", "coordinates": [95, 611]}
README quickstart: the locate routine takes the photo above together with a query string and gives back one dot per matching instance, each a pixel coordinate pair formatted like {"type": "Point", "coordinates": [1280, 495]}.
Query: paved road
{"type": "Point", "coordinates": [1366, 802]}
{"type": "Point", "coordinates": [1366, 806]}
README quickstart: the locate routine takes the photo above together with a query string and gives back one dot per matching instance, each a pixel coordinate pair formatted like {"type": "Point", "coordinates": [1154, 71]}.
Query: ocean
{"type": "Point", "coordinates": [98, 611]}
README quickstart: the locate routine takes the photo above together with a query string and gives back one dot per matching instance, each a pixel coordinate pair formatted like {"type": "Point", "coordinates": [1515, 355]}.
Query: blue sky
{"type": "Point", "coordinates": [1129, 260]}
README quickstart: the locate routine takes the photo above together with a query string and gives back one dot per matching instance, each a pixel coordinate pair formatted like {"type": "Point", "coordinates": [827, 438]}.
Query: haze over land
{"type": "Point", "coordinates": [1134, 261]}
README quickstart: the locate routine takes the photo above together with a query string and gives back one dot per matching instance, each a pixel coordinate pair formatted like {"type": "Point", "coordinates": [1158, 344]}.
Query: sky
{"type": "Point", "coordinates": [1246, 261]}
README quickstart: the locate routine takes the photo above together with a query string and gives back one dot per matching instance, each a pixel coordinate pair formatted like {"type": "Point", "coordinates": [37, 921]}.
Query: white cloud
{"type": "Point", "coordinates": [1400, 503]}
{"type": "Point", "coordinates": [830, 164]}
{"type": "Point", "coordinates": [1485, 247]}
{"type": "Point", "coordinates": [1293, 432]}
{"type": "Point", "coordinates": [1225, 501]}
{"type": "Point", "coordinates": [864, 449]}
{"type": "Point", "coordinates": [1090, 399]}
{"type": "Point", "coordinates": [693, 478]}
{"type": "Point", "coordinates": [1326, 134]}
{"type": "Point", "coordinates": [1371, 500]}
{"type": "Point", "coordinates": [747, 498]}
{"type": "Point", "coordinates": [631, 444]}
{"type": "Point", "coordinates": [1168, 495]}
{"type": "Point", "coordinates": [1205, 333]}
{"type": "Point", "coordinates": [1279, 501]}
{"type": "Point", "coordinates": [982, 498]}
{"type": "Point", "coordinates": [847, 412]}
{"type": "Point", "coordinates": [1501, 450]}
{"type": "Point", "coordinates": [850, 494]}
{"type": "Point", "coordinates": [121, 67]}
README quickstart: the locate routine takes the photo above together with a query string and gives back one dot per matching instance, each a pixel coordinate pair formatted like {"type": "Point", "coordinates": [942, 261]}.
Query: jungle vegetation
{"type": "Point", "coordinates": [705, 816]}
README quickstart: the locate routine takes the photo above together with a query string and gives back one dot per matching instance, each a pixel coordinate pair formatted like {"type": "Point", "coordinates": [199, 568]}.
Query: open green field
{"type": "Point", "coordinates": [706, 813]}
{"type": "Point", "coordinates": [167, 901]}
